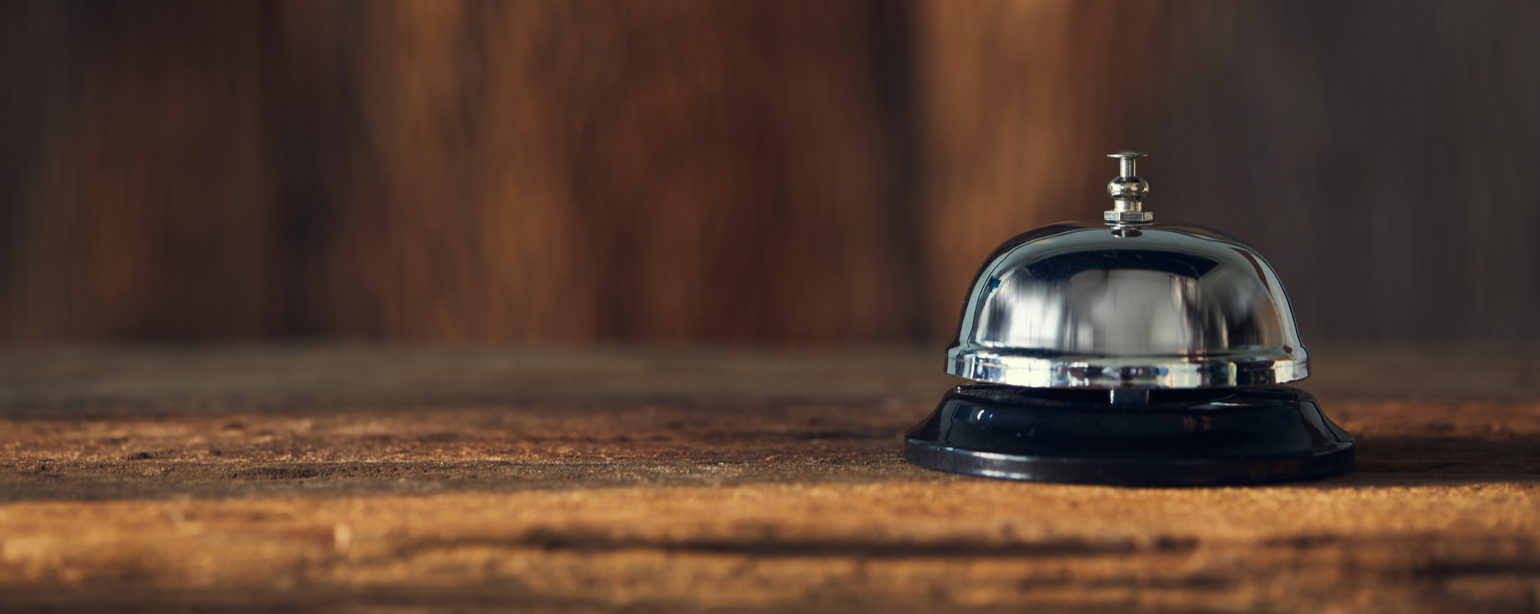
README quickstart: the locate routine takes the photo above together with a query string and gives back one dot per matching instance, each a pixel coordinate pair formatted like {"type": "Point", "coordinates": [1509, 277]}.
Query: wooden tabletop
{"type": "Point", "coordinates": [387, 479]}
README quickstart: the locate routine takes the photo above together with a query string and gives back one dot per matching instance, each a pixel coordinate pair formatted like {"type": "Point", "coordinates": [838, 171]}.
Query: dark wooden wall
{"type": "Point", "coordinates": [558, 171]}
{"type": "Point", "coordinates": [1383, 154]}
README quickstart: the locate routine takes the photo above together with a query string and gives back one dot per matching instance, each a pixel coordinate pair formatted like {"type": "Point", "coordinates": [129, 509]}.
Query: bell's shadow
{"type": "Point", "coordinates": [1428, 461]}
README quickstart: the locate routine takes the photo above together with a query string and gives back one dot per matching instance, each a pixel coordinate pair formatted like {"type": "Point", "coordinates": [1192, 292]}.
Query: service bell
{"type": "Point", "coordinates": [1131, 352]}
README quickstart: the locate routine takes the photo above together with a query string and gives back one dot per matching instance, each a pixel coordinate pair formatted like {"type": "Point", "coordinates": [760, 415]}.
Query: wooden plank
{"type": "Point", "coordinates": [789, 172]}
{"type": "Point", "coordinates": [458, 170]}
{"type": "Point", "coordinates": [376, 478]}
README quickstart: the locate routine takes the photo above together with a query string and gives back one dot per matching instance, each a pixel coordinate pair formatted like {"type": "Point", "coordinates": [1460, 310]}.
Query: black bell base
{"type": "Point", "coordinates": [1200, 437]}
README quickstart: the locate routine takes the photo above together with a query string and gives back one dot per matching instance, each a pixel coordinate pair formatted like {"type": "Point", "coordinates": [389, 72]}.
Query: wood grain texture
{"type": "Point", "coordinates": [1008, 90]}
{"type": "Point", "coordinates": [371, 479]}
{"type": "Point", "coordinates": [578, 171]}
{"type": "Point", "coordinates": [139, 197]}
{"type": "Point", "coordinates": [462, 171]}
{"type": "Point", "coordinates": [798, 172]}
{"type": "Point", "coordinates": [1377, 166]}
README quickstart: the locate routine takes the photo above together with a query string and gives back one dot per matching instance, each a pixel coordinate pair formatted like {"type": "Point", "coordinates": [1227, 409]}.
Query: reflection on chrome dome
{"type": "Point", "coordinates": [1169, 306]}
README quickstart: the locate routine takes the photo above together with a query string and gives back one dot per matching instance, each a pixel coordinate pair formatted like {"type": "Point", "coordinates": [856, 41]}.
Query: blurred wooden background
{"type": "Point", "coordinates": [568, 171]}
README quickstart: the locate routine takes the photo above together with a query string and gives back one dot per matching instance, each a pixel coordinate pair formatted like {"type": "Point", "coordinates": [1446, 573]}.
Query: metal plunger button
{"type": "Point", "coordinates": [1127, 192]}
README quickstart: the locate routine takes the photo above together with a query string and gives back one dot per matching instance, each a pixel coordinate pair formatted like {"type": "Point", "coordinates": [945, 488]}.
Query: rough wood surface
{"type": "Point", "coordinates": [374, 479]}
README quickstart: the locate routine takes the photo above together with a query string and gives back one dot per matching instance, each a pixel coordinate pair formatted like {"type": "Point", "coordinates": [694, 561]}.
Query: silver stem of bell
{"type": "Point", "coordinates": [1127, 191]}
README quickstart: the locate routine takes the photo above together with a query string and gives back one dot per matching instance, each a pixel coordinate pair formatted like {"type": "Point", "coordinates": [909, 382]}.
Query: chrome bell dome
{"type": "Point", "coordinates": [1130, 304]}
